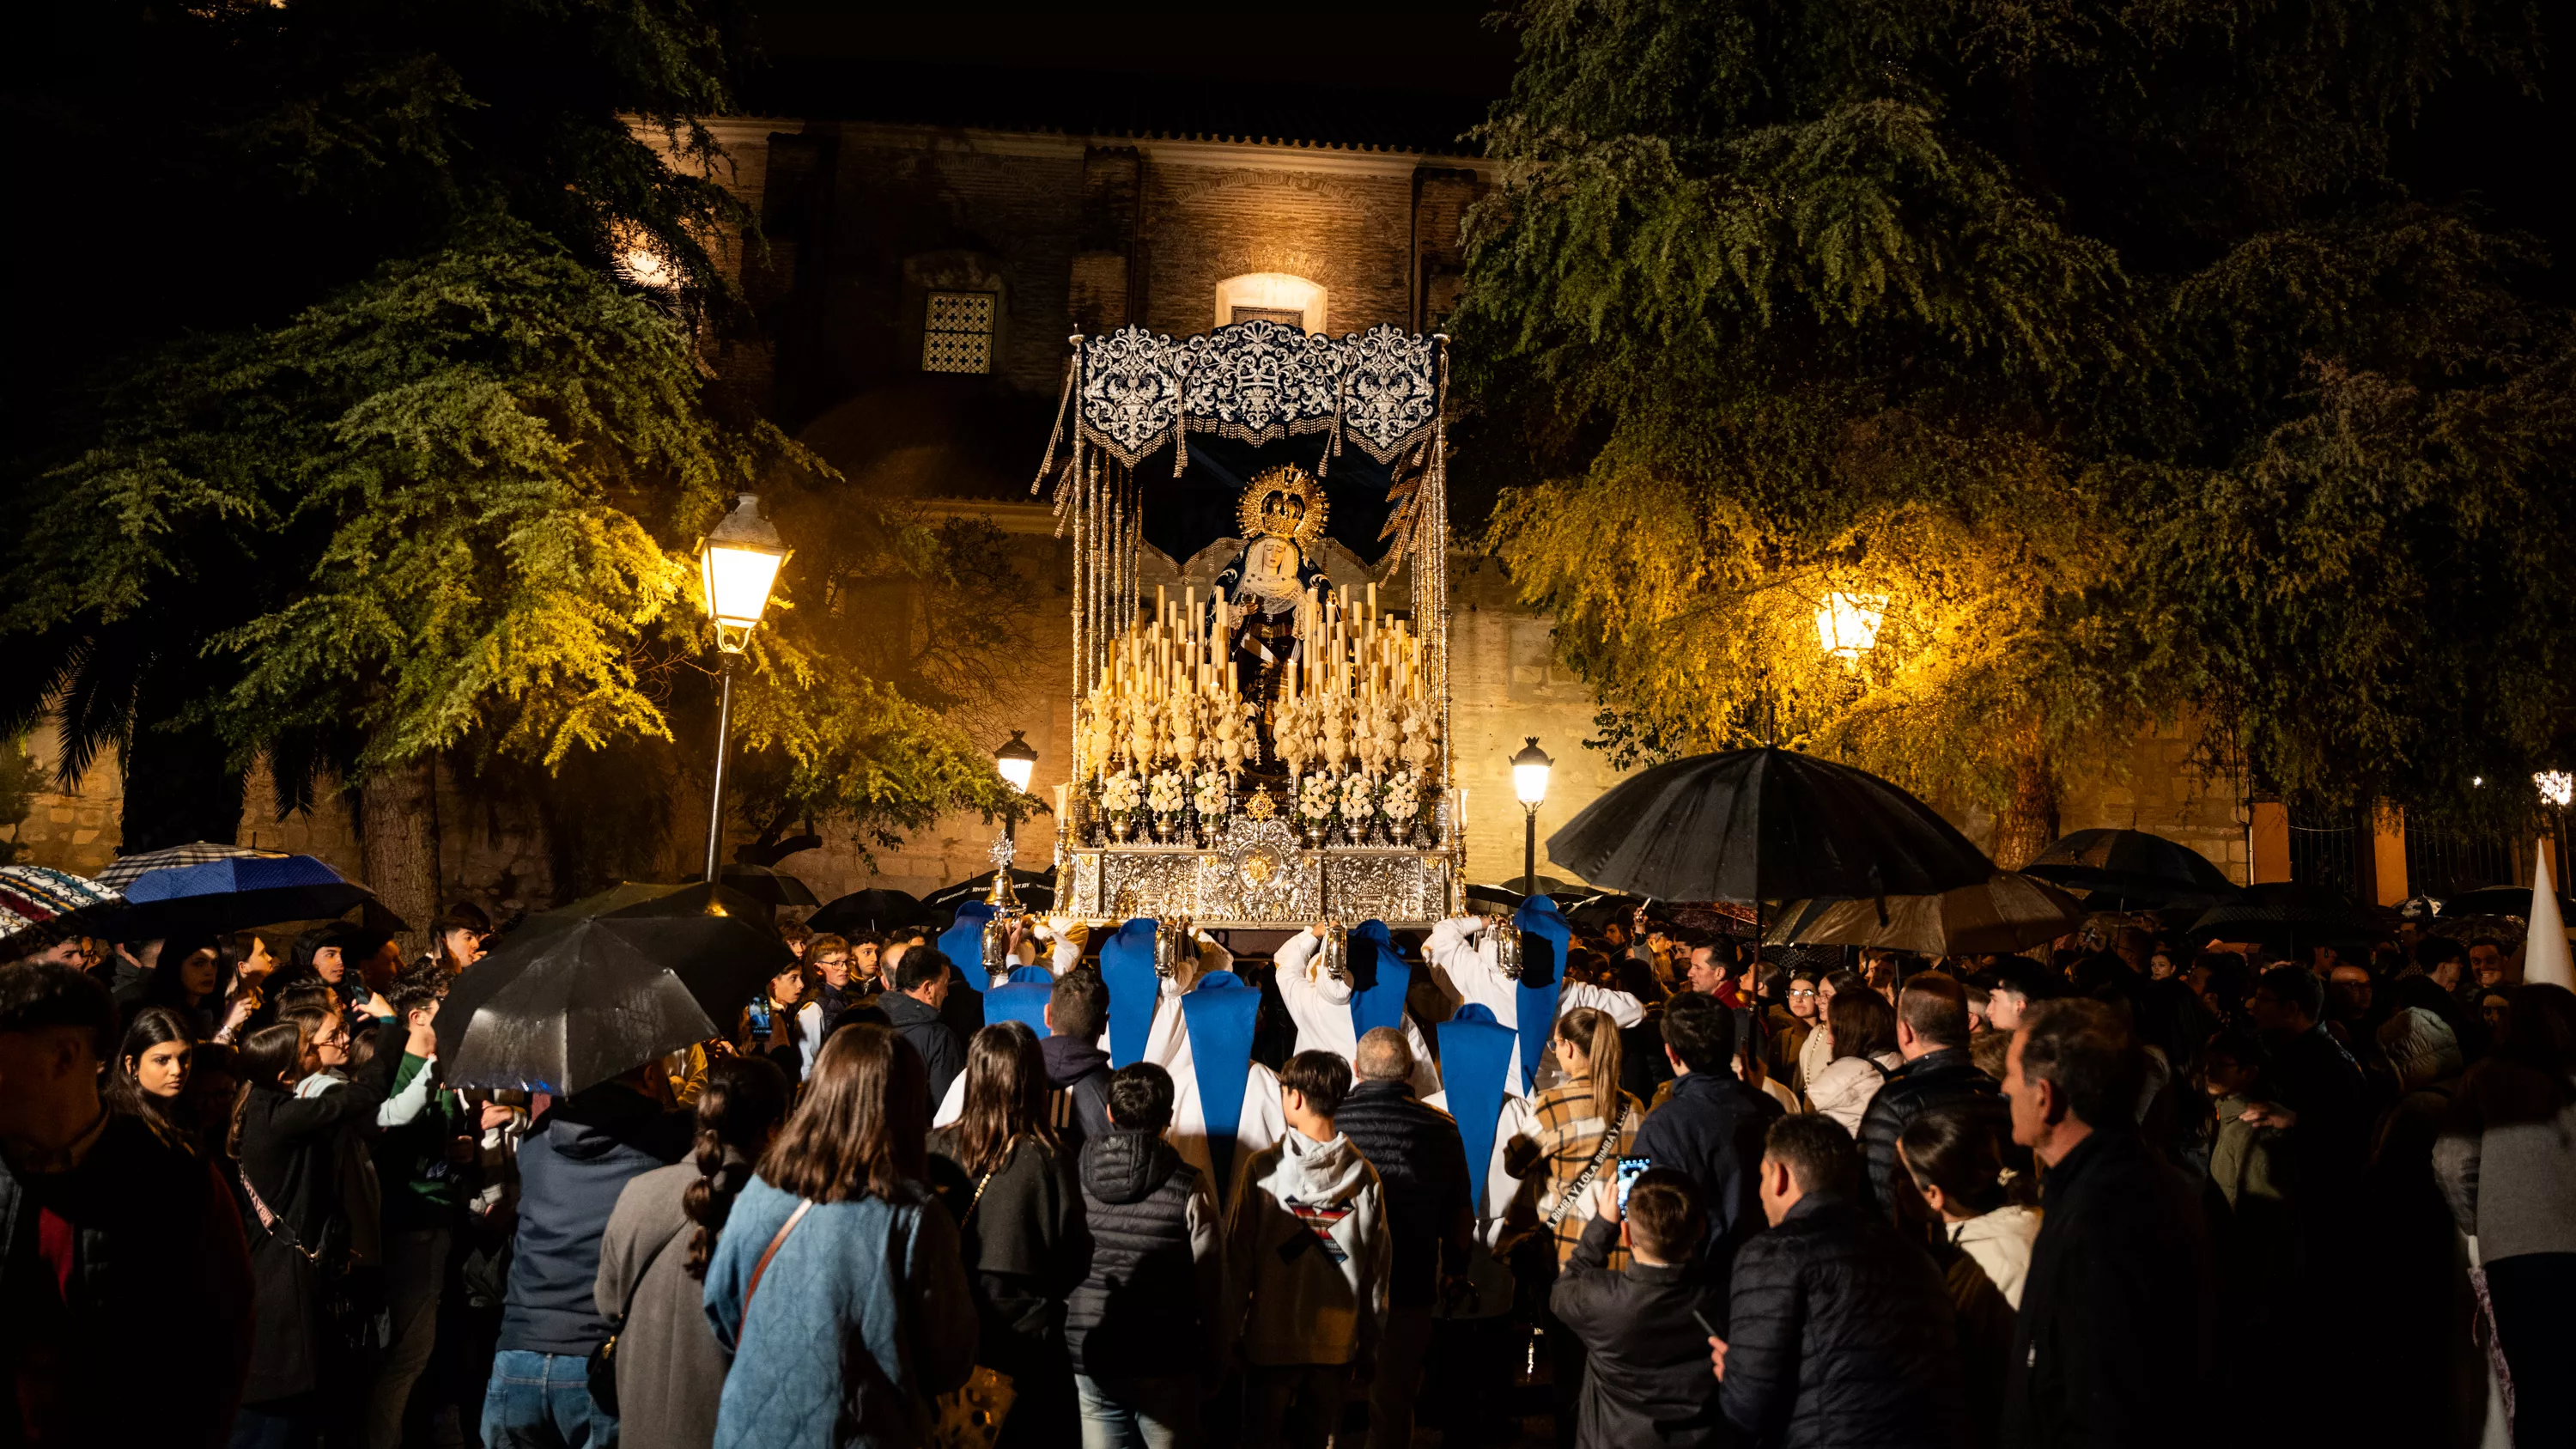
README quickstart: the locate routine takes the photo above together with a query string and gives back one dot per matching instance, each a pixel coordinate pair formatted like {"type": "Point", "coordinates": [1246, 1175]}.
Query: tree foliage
{"type": "Point", "coordinates": [2098, 338]}
{"type": "Point", "coordinates": [414, 463]}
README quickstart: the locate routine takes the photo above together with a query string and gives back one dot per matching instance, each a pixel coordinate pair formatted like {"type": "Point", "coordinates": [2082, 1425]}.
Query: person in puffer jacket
{"type": "Point", "coordinates": [1308, 1253]}
{"type": "Point", "coordinates": [1156, 1276]}
{"type": "Point", "coordinates": [1932, 1037]}
{"type": "Point", "coordinates": [1840, 1332]}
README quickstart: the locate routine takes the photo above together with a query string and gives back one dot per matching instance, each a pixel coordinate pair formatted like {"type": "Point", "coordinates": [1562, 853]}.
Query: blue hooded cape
{"type": "Point", "coordinates": [1381, 978]}
{"type": "Point", "coordinates": [1127, 969]}
{"type": "Point", "coordinates": [1475, 1052]}
{"type": "Point", "coordinates": [1024, 1000]}
{"type": "Point", "coordinates": [1221, 1011]}
{"type": "Point", "coordinates": [1545, 938]}
{"type": "Point", "coordinates": [963, 943]}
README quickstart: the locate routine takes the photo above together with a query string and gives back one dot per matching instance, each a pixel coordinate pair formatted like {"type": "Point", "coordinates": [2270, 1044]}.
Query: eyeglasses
{"type": "Point", "coordinates": [832, 961]}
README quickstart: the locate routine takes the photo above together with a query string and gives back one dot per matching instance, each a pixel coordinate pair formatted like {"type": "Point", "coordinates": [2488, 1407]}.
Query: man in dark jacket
{"type": "Point", "coordinates": [922, 982]}
{"type": "Point", "coordinates": [1077, 1069]}
{"type": "Point", "coordinates": [108, 1225]}
{"type": "Point", "coordinates": [1430, 1214]}
{"type": "Point", "coordinates": [2112, 1344]}
{"type": "Point", "coordinates": [1144, 1326]}
{"type": "Point", "coordinates": [1710, 1131]}
{"type": "Point", "coordinates": [1839, 1332]}
{"type": "Point", "coordinates": [573, 1163]}
{"type": "Point", "coordinates": [1932, 1036]}
{"type": "Point", "coordinates": [1643, 1379]}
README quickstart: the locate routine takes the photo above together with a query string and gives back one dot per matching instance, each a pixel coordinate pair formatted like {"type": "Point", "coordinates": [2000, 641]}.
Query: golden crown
{"type": "Point", "coordinates": [1284, 502]}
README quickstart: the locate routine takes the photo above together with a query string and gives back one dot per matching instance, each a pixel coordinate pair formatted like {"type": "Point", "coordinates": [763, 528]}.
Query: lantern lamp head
{"type": "Point", "coordinates": [737, 564]}
{"type": "Point", "coordinates": [1017, 761]}
{"type": "Point", "coordinates": [2557, 787]}
{"type": "Point", "coordinates": [1847, 624]}
{"type": "Point", "coordinates": [1529, 774]}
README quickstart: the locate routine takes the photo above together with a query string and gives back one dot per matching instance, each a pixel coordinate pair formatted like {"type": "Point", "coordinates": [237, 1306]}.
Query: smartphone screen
{"type": "Point", "coordinates": [1629, 1170]}
{"type": "Point", "coordinates": [760, 1016]}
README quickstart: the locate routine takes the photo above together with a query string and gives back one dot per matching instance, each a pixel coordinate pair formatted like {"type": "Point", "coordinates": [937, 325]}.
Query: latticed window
{"type": "Point", "coordinates": [958, 334]}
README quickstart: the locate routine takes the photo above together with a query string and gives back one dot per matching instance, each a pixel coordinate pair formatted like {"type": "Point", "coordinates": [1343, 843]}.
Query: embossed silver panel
{"type": "Point", "coordinates": [1255, 873]}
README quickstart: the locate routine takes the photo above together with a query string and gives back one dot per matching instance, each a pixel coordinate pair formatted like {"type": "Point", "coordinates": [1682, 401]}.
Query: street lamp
{"type": "Point", "coordinates": [1017, 762]}
{"type": "Point", "coordinates": [737, 563]}
{"type": "Point", "coordinates": [1529, 782]}
{"type": "Point", "coordinates": [1847, 624]}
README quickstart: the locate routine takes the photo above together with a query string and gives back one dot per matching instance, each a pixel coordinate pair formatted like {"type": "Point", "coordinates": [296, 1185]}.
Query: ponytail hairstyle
{"type": "Point", "coordinates": [741, 1105]}
{"type": "Point", "coordinates": [1597, 1036]}
{"type": "Point", "coordinates": [269, 1055]}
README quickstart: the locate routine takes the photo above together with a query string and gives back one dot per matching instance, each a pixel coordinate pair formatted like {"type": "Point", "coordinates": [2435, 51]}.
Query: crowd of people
{"type": "Point", "coordinates": [1662, 1188]}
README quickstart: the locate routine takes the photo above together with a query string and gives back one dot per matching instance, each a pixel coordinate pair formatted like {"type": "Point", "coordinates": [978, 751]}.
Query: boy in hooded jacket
{"type": "Point", "coordinates": [1307, 1256]}
{"type": "Point", "coordinates": [1155, 1279]}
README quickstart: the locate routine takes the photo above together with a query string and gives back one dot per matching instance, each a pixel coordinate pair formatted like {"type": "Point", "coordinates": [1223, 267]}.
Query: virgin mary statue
{"type": "Point", "coordinates": [1282, 516]}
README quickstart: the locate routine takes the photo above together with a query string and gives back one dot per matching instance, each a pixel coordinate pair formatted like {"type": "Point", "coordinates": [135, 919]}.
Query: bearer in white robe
{"type": "Point", "coordinates": [1320, 1003]}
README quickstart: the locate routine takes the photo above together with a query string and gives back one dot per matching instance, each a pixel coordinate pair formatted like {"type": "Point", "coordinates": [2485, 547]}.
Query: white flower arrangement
{"type": "Point", "coordinates": [1403, 799]}
{"type": "Point", "coordinates": [1315, 797]}
{"type": "Point", "coordinates": [1210, 796]}
{"type": "Point", "coordinates": [1165, 795]}
{"type": "Point", "coordinates": [1120, 793]}
{"type": "Point", "coordinates": [1359, 798]}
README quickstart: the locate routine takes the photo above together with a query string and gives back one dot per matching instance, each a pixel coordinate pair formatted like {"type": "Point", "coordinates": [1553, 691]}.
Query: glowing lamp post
{"type": "Point", "coordinates": [1017, 762]}
{"type": "Point", "coordinates": [737, 563]}
{"type": "Point", "coordinates": [1529, 782]}
{"type": "Point", "coordinates": [1847, 624]}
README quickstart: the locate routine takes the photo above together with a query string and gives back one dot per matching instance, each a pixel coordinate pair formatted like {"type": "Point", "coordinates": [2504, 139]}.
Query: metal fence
{"type": "Point", "coordinates": [2332, 852]}
{"type": "Point", "coordinates": [2443, 863]}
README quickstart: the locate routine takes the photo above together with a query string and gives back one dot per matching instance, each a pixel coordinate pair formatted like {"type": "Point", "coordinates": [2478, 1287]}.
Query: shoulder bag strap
{"type": "Point", "coordinates": [270, 1223]}
{"type": "Point", "coordinates": [1008, 1148]}
{"type": "Point", "coordinates": [803, 1206]}
{"type": "Point", "coordinates": [1600, 1154]}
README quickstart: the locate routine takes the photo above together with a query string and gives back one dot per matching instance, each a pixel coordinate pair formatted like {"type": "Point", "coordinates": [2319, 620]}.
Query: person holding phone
{"type": "Point", "coordinates": [1646, 1378]}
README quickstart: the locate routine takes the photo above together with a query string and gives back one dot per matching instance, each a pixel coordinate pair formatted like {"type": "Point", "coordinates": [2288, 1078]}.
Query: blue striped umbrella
{"type": "Point", "coordinates": [229, 894]}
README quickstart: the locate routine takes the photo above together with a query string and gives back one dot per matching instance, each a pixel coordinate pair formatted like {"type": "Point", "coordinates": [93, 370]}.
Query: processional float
{"type": "Point", "coordinates": [1261, 711]}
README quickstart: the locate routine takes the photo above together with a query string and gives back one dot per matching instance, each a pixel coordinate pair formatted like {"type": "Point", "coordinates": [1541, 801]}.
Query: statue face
{"type": "Point", "coordinates": [1270, 557]}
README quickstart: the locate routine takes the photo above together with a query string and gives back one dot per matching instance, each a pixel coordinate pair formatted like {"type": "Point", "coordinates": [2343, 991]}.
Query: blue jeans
{"type": "Point", "coordinates": [1139, 1413]}
{"type": "Point", "coordinates": [542, 1401]}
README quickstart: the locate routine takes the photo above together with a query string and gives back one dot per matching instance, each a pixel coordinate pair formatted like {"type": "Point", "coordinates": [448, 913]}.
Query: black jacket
{"type": "Point", "coordinates": [1024, 1247]}
{"type": "Point", "coordinates": [1943, 1078]}
{"type": "Point", "coordinates": [572, 1165]}
{"type": "Point", "coordinates": [1422, 1163]}
{"type": "Point", "coordinates": [1711, 1131]}
{"type": "Point", "coordinates": [153, 1233]}
{"type": "Point", "coordinates": [1645, 1371]}
{"type": "Point", "coordinates": [1156, 1276]}
{"type": "Point", "coordinates": [1078, 1091]}
{"type": "Point", "coordinates": [930, 1036]}
{"type": "Point", "coordinates": [1840, 1334]}
{"type": "Point", "coordinates": [2112, 1344]}
{"type": "Point", "coordinates": [292, 1153]}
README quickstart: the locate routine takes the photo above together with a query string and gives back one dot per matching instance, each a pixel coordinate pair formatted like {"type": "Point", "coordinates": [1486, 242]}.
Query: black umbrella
{"type": "Point", "coordinates": [2132, 870]}
{"type": "Point", "coordinates": [2288, 915]}
{"type": "Point", "coordinates": [772, 887]}
{"type": "Point", "coordinates": [869, 910]}
{"type": "Point", "coordinates": [1596, 911]}
{"type": "Point", "coordinates": [2502, 900]}
{"type": "Point", "coordinates": [1766, 824]}
{"type": "Point", "coordinates": [1033, 887]}
{"type": "Point", "coordinates": [1494, 898]}
{"type": "Point", "coordinates": [576, 996]}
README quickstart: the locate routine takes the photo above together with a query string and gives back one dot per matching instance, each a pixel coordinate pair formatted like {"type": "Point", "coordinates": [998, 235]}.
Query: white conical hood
{"type": "Point", "coordinates": [2544, 951]}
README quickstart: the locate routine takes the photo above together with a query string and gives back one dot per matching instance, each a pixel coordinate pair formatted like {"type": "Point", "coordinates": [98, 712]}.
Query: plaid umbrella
{"type": "Point", "coordinates": [121, 871]}
{"type": "Point", "coordinates": [32, 896]}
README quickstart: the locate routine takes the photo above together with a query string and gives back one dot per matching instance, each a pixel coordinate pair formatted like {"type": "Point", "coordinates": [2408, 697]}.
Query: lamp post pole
{"type": "Point", "coordinates": [737, 562]}
{"type": "Point", "coordinates": [715, 797]}
{"type": "Point", "coordinates": [1529, 847]}
{"type": "Point", "coordinates": [1529, 783]}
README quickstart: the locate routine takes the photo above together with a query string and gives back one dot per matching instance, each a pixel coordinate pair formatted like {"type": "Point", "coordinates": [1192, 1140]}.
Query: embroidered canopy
{"type": "Point", "coordinates": [1134, 391]}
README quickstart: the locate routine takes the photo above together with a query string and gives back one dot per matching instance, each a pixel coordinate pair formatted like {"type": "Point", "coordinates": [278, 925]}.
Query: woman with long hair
{"type": "Point", "coordinates": [837, 1284]}
{"type": "Point", "coordinates": [286, 1151]}
{"type": "Point", "coordinates": [1864, 1052]}
{"type": "Point", "coordinates": [150, 1078]}
{"type": "Point", "coordinates": [1575, 1118]}
{"type": "Point", "coordinates": [653, 1260]}
{"type": "Point", "coordinates": [794, 1003]}
{"type": "Point", "coordinates": [194, 980]}
{"type": "Point", "coordinates": [1011, 1187]}
{"type": "Point", "coordinates": [2507, 1163]}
